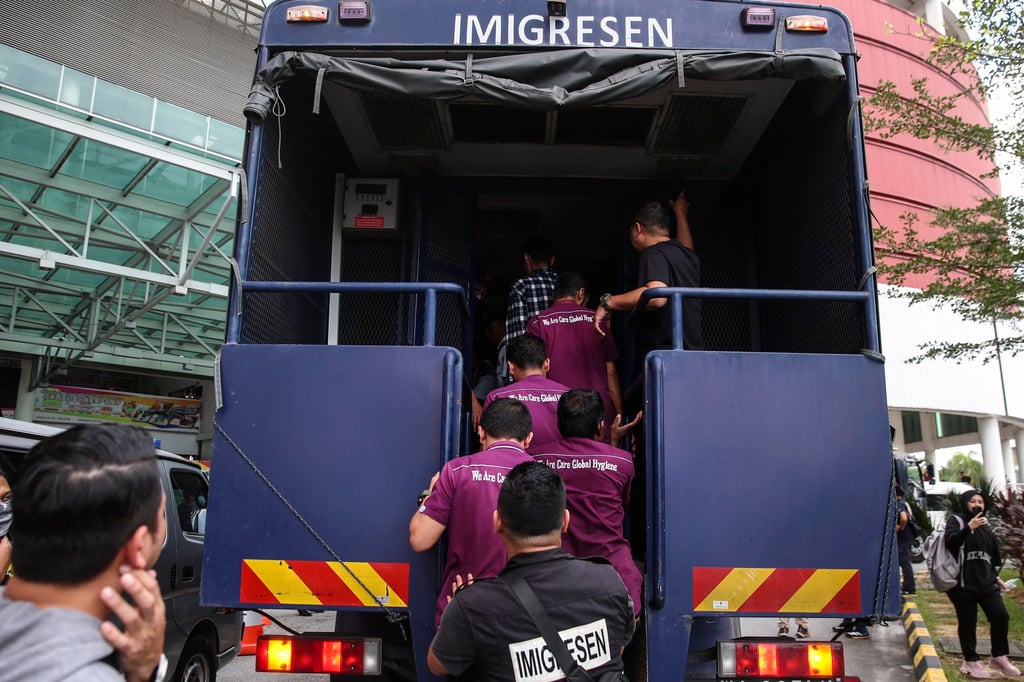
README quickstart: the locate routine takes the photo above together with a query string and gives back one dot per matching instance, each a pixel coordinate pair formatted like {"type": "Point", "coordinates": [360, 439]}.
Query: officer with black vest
{"type": "Point", "coordinates": [486, 635]}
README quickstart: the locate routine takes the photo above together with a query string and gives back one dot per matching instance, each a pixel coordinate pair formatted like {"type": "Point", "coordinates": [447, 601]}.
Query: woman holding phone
{"type": "Point", "coordinates": [979, 585]}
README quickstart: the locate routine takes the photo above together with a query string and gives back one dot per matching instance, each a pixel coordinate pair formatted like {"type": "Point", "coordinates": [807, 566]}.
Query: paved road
{"type": "Point", "coordinates": [882, 658]}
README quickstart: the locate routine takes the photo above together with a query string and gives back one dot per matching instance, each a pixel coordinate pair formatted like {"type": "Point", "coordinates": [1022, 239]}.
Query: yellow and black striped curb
{"type": "Point", "coordinates": [927, 666]}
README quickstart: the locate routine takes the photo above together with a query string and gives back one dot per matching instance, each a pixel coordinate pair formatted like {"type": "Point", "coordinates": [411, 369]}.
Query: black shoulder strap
{"type": "Point", "coordinates": [112, 660]}
{"type": "Point", "coordinates": [526, 596]}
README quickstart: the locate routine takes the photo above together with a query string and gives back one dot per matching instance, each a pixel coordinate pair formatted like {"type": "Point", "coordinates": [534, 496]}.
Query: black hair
{"type": "Point", "coordinates": [580, 412]}
{"type": "Point", "coordinates": [531, 502]}
{"type": "Point", "coordinates": [506, 418]}
{"type": "Point", "coordinates": [899, 491]}
{"type": "Point", "coordinates": [81, 495]}
{"type": "Point", "coordinates": [527, 352]}
{"type": "Point", "coordinates": [655, 217]}
{"type": "Point", "coordinates": [539, 250]}
{"type": "Point", "coordinates": [568, 283]}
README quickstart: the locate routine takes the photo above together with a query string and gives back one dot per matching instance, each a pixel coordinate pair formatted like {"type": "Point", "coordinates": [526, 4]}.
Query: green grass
{"type": "Point", "coordinates": [940, 619]}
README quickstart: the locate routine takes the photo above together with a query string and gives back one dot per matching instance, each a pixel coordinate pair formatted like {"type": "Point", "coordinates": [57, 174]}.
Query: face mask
{"type": "Point", "coordinates": [5, 518]}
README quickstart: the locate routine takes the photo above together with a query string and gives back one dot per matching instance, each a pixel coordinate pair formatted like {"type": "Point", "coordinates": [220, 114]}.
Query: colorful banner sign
{"type": "Point", "coordinates": [70, 405]}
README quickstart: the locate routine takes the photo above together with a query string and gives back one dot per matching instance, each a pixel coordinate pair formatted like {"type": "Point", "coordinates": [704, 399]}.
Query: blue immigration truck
{"type": "Point", "coordinates": [393, 147]}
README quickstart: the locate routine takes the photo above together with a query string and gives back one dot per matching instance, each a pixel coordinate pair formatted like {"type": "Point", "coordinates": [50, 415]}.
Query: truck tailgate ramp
{"type": "Point", "coordinates": [308, 417]}
{"type": "Point", "coordinates": [770, 488]}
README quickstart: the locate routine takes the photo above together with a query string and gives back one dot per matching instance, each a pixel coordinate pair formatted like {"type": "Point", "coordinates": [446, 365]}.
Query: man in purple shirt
{"type": "Point", "coordinates": [597, 479]}
{"type": "Point", "coordinates": [528, 363]}
{"type": "Point", "coordinates": [579, 358]}
{"type": "Point", "coordinates": [463, 495]}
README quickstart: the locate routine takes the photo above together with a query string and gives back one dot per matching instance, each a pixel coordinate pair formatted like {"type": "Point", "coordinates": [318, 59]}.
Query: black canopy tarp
{"type": "Point", "coordinates": [539, 80]}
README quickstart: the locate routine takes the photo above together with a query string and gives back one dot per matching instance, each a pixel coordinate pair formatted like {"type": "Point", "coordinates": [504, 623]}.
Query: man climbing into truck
{"type": "Point", "coordinates": [463, 494]}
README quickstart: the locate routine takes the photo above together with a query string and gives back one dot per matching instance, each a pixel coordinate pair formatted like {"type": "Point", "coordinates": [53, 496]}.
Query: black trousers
{"type": "Point", "coordinates": [637, 513]}
{"type": "Point", "coordinates": [966, 604]}
{"type": "Point", "coordinates": [906, 566]}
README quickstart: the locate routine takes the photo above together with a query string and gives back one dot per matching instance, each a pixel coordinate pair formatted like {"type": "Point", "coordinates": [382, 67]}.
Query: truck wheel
{"type": "Point", "coordinates": [196, 663]}
{"type": "Point", "coordinates": [917, 550]}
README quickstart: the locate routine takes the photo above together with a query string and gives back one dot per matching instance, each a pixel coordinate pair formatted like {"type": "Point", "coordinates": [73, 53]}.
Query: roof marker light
{"type": "Point", "coordinates": [355, 12]}
{"type": "Point", "coordinates": [306, 13]}
{"type": "Point", "coordinates": [807, 22]}
{"type": "Point", "coordinates": [762, 18]}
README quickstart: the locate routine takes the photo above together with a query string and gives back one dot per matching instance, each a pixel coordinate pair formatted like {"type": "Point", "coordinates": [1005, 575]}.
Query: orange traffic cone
{"type": "Point", "coordinates": [254, 623]}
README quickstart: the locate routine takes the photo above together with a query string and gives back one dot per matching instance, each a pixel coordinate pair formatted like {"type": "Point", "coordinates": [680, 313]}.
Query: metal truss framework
{"type": "Point", "coordinates": [114, 248]}
{"type": "Point", "coordinates": [245, 15]}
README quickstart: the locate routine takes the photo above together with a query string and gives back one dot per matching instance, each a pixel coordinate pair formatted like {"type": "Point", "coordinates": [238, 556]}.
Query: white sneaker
{"type": "Point", "coordinates": [976, 670]}
{"type": "Point", "coordinates": [1003, 665]}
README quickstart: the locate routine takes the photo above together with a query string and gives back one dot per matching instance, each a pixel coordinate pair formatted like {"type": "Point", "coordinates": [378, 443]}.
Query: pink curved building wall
{"type": "Point", "coordinates": [908, 174]}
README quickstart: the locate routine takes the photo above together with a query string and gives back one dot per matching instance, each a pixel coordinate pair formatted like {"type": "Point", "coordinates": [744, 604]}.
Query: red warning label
{"type": "Point", "coordinates": [370, 221]}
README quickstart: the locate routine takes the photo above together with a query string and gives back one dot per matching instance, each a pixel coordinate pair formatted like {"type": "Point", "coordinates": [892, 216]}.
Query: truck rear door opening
{"type": "Point", "coordinates": [394, 159]}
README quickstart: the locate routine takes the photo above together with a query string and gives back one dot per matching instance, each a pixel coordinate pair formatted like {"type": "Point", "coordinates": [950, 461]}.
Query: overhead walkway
{"type": "Point", "coordinates": [117, 215]}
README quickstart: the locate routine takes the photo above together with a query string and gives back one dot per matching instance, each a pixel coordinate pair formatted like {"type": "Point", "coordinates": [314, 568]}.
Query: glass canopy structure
{"type": "Point", "coordinates": [117, 216]}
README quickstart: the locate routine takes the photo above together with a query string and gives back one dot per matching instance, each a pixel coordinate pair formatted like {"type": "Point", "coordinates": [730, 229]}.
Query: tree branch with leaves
{"type": "Point", "coordinates": [971, 257]}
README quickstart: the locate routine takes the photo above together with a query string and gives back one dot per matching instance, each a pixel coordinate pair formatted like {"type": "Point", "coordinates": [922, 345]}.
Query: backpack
{"type": "Point", "coordinates": [912, 526]}
{"type": "Point", "coordinates": [943, 567]}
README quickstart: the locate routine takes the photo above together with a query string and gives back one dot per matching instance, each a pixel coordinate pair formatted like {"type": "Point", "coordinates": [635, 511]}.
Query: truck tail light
{"type": "Point", "coordinates": [775, 660]}
{"type": "Point", "coordinates": [318, 653]}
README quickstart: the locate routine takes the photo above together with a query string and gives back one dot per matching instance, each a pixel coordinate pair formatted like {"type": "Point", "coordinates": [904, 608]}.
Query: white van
{"type": "Point", "coordinates": [937, 493]}
{"type": "Point", "coordinates": [199, 639]}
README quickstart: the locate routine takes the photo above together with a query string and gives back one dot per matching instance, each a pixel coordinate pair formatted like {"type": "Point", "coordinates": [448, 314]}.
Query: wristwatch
{"type": "Point", "coordinates": [423, 495]}
{"type": "Point", "coordinates": [604, 301]}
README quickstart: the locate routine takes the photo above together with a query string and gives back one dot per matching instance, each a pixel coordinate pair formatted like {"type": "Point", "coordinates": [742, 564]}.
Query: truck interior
{"type": "Point", "coordinates": [765, 163]}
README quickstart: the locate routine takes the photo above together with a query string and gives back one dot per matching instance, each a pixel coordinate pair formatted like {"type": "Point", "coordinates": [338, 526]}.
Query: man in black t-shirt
{"type": "Point", "coordinates": [486, 635]}
{"type": "Point", "coordinates": [664, 262]}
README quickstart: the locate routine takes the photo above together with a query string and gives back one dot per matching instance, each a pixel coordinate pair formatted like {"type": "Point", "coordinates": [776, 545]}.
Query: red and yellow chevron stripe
{"type": "Point", "coordinates": [323, 583]}
{"type": "Point", "coordinates": [776, 590]}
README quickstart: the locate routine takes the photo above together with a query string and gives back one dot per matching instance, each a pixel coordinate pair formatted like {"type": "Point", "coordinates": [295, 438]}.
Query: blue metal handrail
{"type": "Point", "coordinates": [657, 565]}
{"type": "Point", "coordinates": [429, 289]}
{"type": "Point", "coordinates": [677, 294]}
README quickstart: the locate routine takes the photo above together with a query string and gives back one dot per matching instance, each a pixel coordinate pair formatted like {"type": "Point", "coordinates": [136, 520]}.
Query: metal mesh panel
{"type": "Point", "coordinates": [810, 242]}
{"type": "Point", "coordinates": [291, 232]}
{"type": "Point", "coordinates": [373, 319]}
{"type": "Point", "coordinates": [726, 325]}
{"type": "Point", "coordinates": [697, 124]}
{"type": "Point", "coordinates": [447, 259]}
{"type": "Point", "coordinates": [405, 123]}
{"type": "Point", "coordinates": [786, 223]}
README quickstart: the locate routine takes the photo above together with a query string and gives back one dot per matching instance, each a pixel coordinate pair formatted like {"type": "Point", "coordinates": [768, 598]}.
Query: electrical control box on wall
{"type": "Point", "coordinates": [370, 205]}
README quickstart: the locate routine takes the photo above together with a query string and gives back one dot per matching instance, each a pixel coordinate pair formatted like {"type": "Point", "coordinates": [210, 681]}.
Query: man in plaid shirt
{"type": "Point", "coordinates": [528, 296]}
